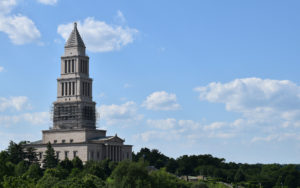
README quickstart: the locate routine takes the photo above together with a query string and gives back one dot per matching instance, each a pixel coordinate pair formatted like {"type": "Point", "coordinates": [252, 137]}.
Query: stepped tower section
{"type": "Point", "coordinates": [74, 107]}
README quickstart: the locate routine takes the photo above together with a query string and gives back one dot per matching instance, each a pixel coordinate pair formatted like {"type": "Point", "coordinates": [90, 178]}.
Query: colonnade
{"type": "Point", "coordinates": [114, 152]}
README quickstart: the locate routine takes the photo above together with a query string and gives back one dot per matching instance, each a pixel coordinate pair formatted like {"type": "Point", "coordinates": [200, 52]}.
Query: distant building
{"type": "Point", "coordinates": [74, 130]}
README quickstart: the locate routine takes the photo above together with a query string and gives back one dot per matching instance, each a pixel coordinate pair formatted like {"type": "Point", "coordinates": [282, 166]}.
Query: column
{"type": "Point", "coordinates": [106, 154]}
{"type": "Point", "coordinates": [120, 153]}
{"type": "Point", "coordinates": [114, 153]}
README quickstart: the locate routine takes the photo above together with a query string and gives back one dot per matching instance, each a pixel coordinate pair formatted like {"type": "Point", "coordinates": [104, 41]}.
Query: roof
{"type": "Point", "coordinates": [75, 39]}
{"type": "Point", "coordinates": [101, 138]}
{"type": "Point", "coordinates": [106, 138]}
{"type": "Point", "coordinates": [36, 142]}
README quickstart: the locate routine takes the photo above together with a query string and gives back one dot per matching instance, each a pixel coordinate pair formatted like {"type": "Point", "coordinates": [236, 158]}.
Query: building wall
{"type": "Point", "coordinates": [127, 152]}
{"type": "Point", "coordinates": [81, 151]}
{"type": "Point", "coordinates": [59, 136]}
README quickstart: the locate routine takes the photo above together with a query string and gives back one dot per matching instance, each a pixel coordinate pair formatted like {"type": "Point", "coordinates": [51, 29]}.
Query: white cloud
{"type": "Point", "coordinates": [48, 2]}
{"type": "Point", "coordinates": [189, 124]}
{"type": "Point", "coordinates": [162, 123]}
{"type": "Point", "coordinates": [36, 118]}
{"type": "Point", "coordinates": [259, 101]}
{"type": "Point", "coordinates": [1, 69]}
{"type": "Point", "coordinates": [100, 36]}
{"type": "Point", "coordinates": [158, 135]}
{"type": "Point", "coordinates": [161, 100]}
{"type": "Point", "coordinates": [113, 114]}
{"type": "Point", "coordinates": [120, 17]}
{"type": "Point", "coordinates": [6, 6]}
{"type": "Point", "coordinates": [20, 29]}
{"type": "Point", "coordinates": [277, 137]}
{"type": "Point", "coordinates": [214, 126]}
{"type": "Point", "coordinates": [16, 103]}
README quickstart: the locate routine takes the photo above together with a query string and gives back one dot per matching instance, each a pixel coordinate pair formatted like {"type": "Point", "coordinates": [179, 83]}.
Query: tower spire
{"type": "Point", "coordinates": [75, 39]}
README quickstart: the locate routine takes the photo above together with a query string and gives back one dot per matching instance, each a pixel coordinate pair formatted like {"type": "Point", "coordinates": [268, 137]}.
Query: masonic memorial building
{"type": "Point", "coordinates": [74, 130]}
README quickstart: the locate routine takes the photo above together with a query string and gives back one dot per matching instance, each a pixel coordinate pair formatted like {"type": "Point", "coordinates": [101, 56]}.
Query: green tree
{"type": "Point", "coordinates": [50, 160]}
{"type": "Point", "coordinates": [17, 182]}
{"type": "Point", "coordinates": [21, 168]}
{"type": "Point", "coordinates": [77, 163]}
{"type": "Point", "coordinates": [239, 176]}
{"type": "Point", "coordinates": [34, 172]}
{"type": "Point", "coordinates": [130, 174]}
{"type": "Point", "coordinates": [47, 181]}
{"type": "Point", "coordinates": [66, 164]}
{"type": "Point", "coordinates": [95, 168]}
{"type": "Point", "coordinates": [172, 165]}
{"type": "Point", "coordinates": [31, 155]}
{"type": "Point", "coordinates": [161, 178]}
{"type": "Point", "coordinates": [16, 152]}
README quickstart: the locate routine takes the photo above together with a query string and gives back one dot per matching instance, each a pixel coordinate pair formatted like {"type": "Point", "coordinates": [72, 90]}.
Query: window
{"type": "Point", "coordinates": [88, 89]}
{"type": "Point", "coordinates": [62, 89]}
{"type": "Point", "coordinates": [81, 67]}
{"type": "Point", "coordinates": [127, 155]}
{"type": "Point", "coordinates": [70, 88]}
{"type": "Point", "coordinates": [73, 88]}
{"type": "Point", "coordinates": [71, 140]}
{"type": "Point", "coordinates": [55, 141]}
{"type": "Point", "coordinates": [98, 155]}
{"type": "Point", "coordinates": [66, 88]}
{"type": "Point", "coordinates": [83, 88]}
{"type": "Point", "coordinates": [66, 63]}
{"type": "Point", "coordinates": [69, 66]}
{"type": "Point", "coordinates": [74, 154]}
{"type": "Point", "coordinates": [72, 65]}
{"type": "Point", "coordinates": [57, 154]}
{"type": "Point", "coordinates": [63, 141]}
{"type": "Point", "coordinates": [66, 154]}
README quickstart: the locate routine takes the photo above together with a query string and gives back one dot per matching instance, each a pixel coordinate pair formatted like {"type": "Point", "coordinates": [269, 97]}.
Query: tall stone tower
{"type": "Point", "coordinates": [74, 107]}
{"type": "Point", "coordinates": [74, 132]}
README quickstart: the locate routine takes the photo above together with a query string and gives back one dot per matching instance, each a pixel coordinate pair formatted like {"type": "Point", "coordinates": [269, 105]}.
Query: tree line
{"type": "Point", "coordinates": [19, 167]}
{"type": "Point", "coordinates": [255, 175]}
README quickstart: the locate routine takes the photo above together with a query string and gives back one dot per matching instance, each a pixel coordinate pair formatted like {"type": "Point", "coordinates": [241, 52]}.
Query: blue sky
{"type": "Point", "coordinates": [196, 77]}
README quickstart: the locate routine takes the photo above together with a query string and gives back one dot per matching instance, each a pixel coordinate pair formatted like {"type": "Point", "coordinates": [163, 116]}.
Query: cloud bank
{"type": "Point", "coordinates": [100, 36]}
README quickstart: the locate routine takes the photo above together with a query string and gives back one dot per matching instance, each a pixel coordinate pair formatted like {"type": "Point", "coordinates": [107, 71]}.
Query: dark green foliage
{"type": "Point", "coordinates": [154, 157]}
{"type": "Point", "coordinates": [34, 172]}
{"type": "Point", "coordinates": [21, 168]}
{"type": "Point", "coordinates": [172, 165]}
{"type": "Point", "coordinates": [77, 163]}
{"type": "Point", "coordinates": [47, 181]}
{"type": "Point", "coordinates": [66, 164]}
{"type": "Point", "coordinates": [31, 155]}
{"type": "Point", "coordinates": [4, 169]}
{"type": "Point", "coordinates": [95, 168]}
{"type": "Point", "coordinates": [199, 185]}
{"type": "Point", "coordinates": [50, 160]}
{"type": "Point", "coordinates": [18, 168]}
{"type": "Point", "coordinates": [239, 176]}
{"type": "Point", "coordinates": [17, 182]}
{"type": "Point", "coordinates": [16, 152]}
{"type": "Point", "coordinates": [128, 174]}
{"type": "Point", "coordinates": [161, 178]}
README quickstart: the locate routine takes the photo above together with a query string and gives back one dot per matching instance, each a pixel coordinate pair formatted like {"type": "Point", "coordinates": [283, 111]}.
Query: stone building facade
{"type": "Point", "coordinates": [74, 130]}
